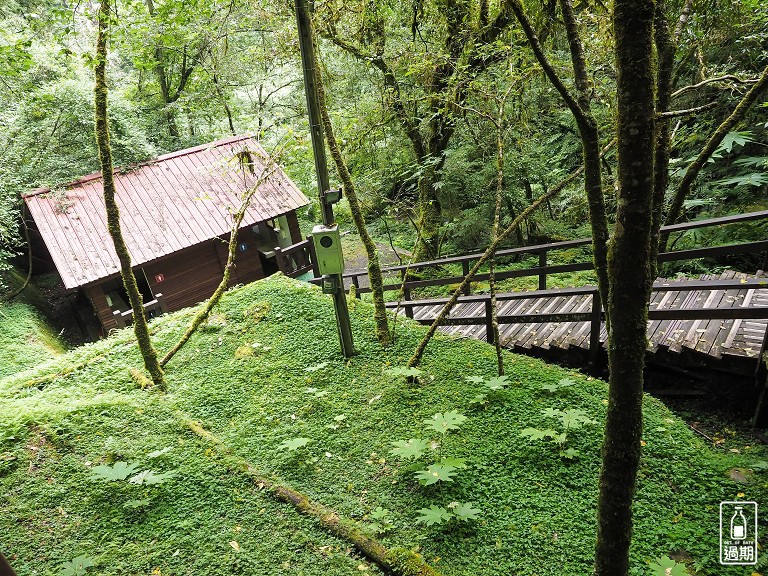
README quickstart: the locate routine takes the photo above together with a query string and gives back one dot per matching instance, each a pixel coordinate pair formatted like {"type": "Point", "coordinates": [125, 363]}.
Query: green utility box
{"type": "Point", "coordinates": [327, 242]}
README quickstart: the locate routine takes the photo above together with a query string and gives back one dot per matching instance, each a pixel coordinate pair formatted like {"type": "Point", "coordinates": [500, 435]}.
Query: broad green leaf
{"type": "Point", "coordinates": [412, 448]}
{"type": "Point", "coordinates": [134, 504]}
{"type": "Point", "coordinates": [379, 513]}
{"type": "Point", "coordinates": [76, 567]}
{"type": "Point", "coordinates": [316, 367]}
{"type": "Point", "coordinates": [560, 438]}
{"type": "Point", "coordinates": [756, 179]}
{"type": "Point", "coordinates": [464, 511]}
{"type": "Point", "coordinates": [569, 453]}
{"type": "Point", "coordinates": [479, 399]}
{"type": "Point", "coordinates": [455, 462]}
{"type": "Point", "coordinates": [403, 371]}
{"type": "Point", "coordinates": [536, 434]}
{"type": "Point", "coordinates": [294, 443]}
{"type": "Point", "coordinates": [752, 162]}
{"type": "Point", "coordinates": [443, 422]}
{"type": "Point", "coordinates": [118, 471]}
{"type": "Point", "coordinates": [665, 566]}
{"type": "Point", "coordinates": [434, 515]}
{"type": "Point", "coordinates": [735, 139]}
{"type": "Point", "coordinates": [475, 379]}
{"type": "Point", "coordinates": [436, 473]}
{"type": "Point", "coordinates": [552, 413]}
{"type": "Point", "coordinates": [158, 453]}
{"type": "Point", "coordinates": [497, 382]}
{"type": "Point", "coordinates": [575, 418]}
{"type": "Point", "coordinates": [150, 477]}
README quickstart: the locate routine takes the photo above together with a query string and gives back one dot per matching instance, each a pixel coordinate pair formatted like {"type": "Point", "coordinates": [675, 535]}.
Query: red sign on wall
{"type": "Point", "coordinates": [159, 278]}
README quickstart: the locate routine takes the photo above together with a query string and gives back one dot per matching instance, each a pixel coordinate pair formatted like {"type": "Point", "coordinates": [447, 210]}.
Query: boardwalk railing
{"type": "Point", "coordinates": [595, 316]}
{"type": "Point", "coordinates": [296, 259]}
{"type": "Point", "coordinates": [543, 250]}
{"type": "Point", "coordinates": [123, 319]}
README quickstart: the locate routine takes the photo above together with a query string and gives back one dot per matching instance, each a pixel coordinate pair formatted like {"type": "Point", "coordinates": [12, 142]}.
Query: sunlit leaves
{"type": "Point", "coordinates": [409, 449]}
{"type": "Point", "coordinates": [118, 471]}
{"type": "Point", "coordinates": [443, 422]}
{"type": "Point", "coordinates": [293, 444]}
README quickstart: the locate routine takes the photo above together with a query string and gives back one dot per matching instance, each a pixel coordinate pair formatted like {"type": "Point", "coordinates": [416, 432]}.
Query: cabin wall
{"type": "Point", "coordinates": [189, 276]}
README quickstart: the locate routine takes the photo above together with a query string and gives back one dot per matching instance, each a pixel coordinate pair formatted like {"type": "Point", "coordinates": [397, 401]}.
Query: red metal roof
{"type": "Point", "coordinates": [167, 204]}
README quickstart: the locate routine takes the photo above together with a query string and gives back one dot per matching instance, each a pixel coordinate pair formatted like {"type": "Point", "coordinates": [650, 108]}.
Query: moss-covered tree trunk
{"type": "Point", "coordinates": [140, 327]}
{"type": "Point", "coordinates": [629, 273]}
{"type": "Point", "coordinates": [374, 266]}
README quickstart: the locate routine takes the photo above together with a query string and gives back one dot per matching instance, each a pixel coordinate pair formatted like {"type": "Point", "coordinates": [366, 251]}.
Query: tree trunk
{"type": "Point", "coordinates": [140, 327]}
{"type": "Point", "coordinates": [629, 272]}
{"type": "Point", "coordinates": [374, 267]}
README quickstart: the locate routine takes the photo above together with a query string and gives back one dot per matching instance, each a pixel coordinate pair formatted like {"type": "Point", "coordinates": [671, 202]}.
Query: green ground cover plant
{"type": "Point", "coordinates": [351, 435]}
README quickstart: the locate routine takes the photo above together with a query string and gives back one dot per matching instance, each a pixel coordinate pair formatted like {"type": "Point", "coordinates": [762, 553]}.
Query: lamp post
{"type": "Point", "coordinates": [332, 283]}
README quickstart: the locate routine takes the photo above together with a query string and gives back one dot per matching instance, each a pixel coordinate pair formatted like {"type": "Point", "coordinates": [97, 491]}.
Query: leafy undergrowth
{"type": "Point", "coordinates": [93, 468]}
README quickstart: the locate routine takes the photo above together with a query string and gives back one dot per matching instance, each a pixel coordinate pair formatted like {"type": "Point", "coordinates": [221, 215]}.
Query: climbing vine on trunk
{"type": "Point", "coordinates": [140, 326]}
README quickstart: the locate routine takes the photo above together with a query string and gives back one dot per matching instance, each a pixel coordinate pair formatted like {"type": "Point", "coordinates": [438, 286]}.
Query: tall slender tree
{"type": "Point", "coordinates": [140, 326]}
{"type": "Point", "coordinates": [630, 280]}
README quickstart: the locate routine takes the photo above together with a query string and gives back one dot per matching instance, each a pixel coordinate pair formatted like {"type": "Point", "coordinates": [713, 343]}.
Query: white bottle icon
{"type": "Point", "coordinates": [738, 525]}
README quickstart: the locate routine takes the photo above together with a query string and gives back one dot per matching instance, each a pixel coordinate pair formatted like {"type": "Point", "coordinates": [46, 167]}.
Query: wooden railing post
{"type": "Point", "coordinates": [465, 272]}
{"type": "Point", "coordinates": [281, 261]}
{"type": "Point", "coordinates": [407, 297]}
{"type": "Point", "coordinates": [543, 274]}
{"type": "Point", "coordinates": [161, 302]}
{"type": "Point", "coordinates": [356, 283]}
{"type": "Point", "coordinates": [118, 316]}
{"type": "Point", "coordinates": [313, 257]}
{"type": "Point", "coordinates": [489, 322]}
{"type": "Point", "coordinates": [594, 333]}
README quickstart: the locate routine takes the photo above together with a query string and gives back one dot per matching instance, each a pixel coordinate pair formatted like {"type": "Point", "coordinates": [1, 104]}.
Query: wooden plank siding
{"type": "Point", "coordinates": [190, 275]}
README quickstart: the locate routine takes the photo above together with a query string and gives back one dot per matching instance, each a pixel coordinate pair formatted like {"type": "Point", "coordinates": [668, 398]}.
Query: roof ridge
{"type": "Point", "coordinates": [163, 157]}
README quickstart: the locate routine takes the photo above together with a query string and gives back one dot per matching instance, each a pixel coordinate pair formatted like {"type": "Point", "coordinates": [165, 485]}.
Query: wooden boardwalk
{"type": "Point", "coordinates": [732, 344]}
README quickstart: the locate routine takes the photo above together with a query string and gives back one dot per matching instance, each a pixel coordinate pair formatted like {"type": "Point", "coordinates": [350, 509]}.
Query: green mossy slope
{"type": "Point", "coordinates": [26, 338]}
{"type": "Point", "coordinates": [266, 369]}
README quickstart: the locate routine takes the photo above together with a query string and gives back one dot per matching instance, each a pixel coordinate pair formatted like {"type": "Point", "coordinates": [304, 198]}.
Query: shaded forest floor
{"type": "Point", "coordinates": [266, 377]}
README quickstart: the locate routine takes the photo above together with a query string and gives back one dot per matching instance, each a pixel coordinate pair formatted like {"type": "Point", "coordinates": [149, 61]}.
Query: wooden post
{"type": "Point", "coordinates": [594, 333]}
{"type": "Point", "coordinates": [281, 261]}
{"type": "Point", "coordinates": [312, 256]}
{"type": "Point", "coordinates": [543, 275]}
{"type": "Point", "coordinates": [489, 322]}
{"type": "Point", "coordinates": [161, 302]}
{"type": "Point", "coordinates": [465, 271]}
{"type": "Point", "coordinates": [309, 65]}
{"type": "Point", "coordinates": [407, 296]}
{"type": "Point", "coordinates": [356, 282]}
{"type": "Point", "coordinates": [118, 316]}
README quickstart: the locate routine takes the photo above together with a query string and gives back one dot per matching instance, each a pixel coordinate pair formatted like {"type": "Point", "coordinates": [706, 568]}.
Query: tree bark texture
{"type": "Point", "coordinates": [588, 131]}
{"type": "Point", "coordinates": [140, 327]}
{"type": "Point", "coordinates": [374, 266]}
{"type": "Point", "coordinates": [629, 272]}
{"type": "Point", "coordinates": [398, 561]}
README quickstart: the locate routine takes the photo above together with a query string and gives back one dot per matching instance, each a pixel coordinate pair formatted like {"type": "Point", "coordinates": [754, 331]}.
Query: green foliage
{"type": "Point", "coordinates": [665, 566]}
{"type": "Point", "coordinates": [94, 412]}
{"type": "Point", "coordinates": [560, 385]}
{"type": "Point", "coordinates": [440, 472]}
{"type": "Point", "coordinates": [409, 449]}
{"type": "Point", "coordinates": [76, 567]}
{"type": "Point", "coordinates": [293, 444]}
{"type": "Point", "coordinates": [443, 422]}
{"type": "Point", "coordinates": [461, 511]}
{"type": "Point", "coordinates": [150, 477]}
{"type": "Point", "coordinates": [403, 371]}
{"type": "Point", "coordinates": [118, 471]}
{"type": "Point", "coordinates": [382, 521]}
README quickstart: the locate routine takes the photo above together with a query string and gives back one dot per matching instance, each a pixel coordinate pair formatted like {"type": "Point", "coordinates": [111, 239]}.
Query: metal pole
{"type": "Point", "coordinates": [321, 165]}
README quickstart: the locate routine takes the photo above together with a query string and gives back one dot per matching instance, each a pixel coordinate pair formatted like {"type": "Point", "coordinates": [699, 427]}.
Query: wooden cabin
{"type": "Point", "coordinates": [176, 214]}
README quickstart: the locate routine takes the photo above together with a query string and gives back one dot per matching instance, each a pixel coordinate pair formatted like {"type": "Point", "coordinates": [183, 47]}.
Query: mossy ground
{"type": "Point", "coordinates": [26, 336]}
{"type": "Point", "coordinates": [537, 510]}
